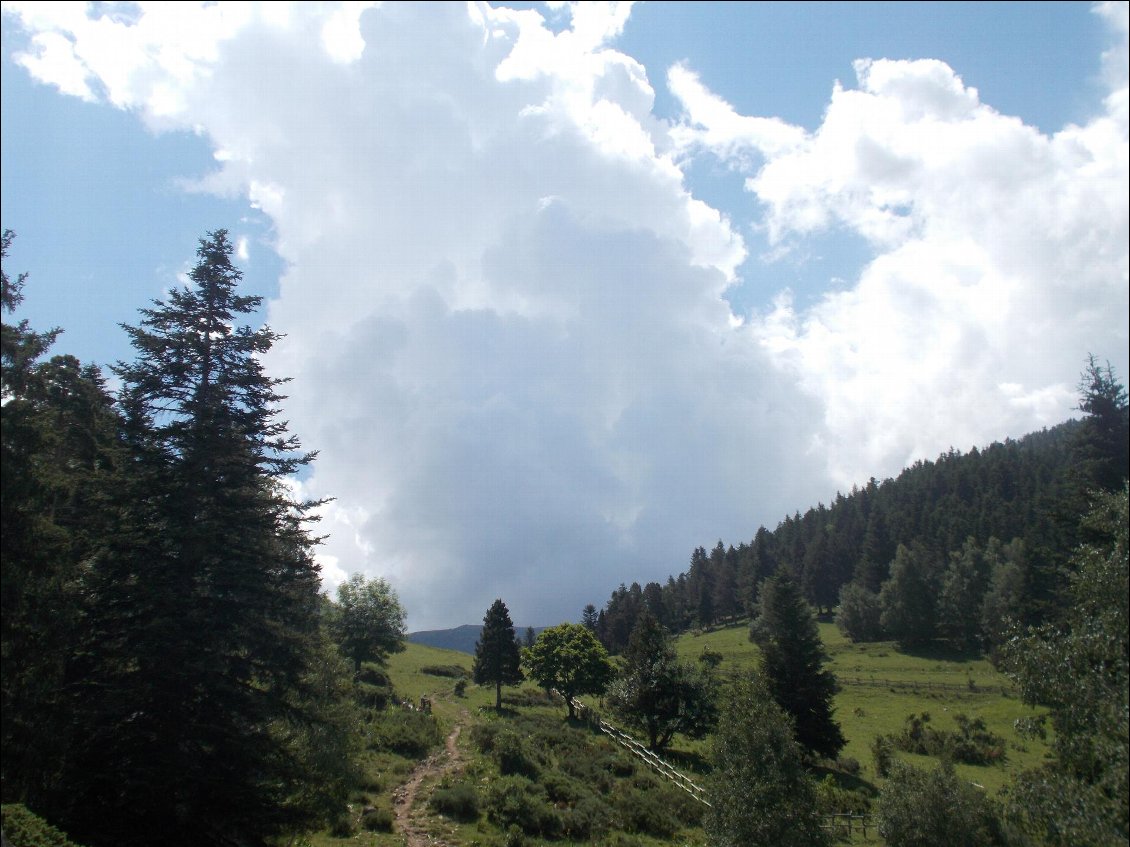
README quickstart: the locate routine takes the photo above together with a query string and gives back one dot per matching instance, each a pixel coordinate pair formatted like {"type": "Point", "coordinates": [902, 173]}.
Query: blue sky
{"type": "Point", "coordinates": [571, 290]}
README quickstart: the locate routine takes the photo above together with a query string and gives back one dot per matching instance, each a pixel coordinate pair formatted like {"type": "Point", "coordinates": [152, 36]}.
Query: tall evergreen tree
{"type": "Point", "coordinates": [203, 600]}
{"type": "Point", "coordinates": [792, 662]}
{"type": "Point", "coordinates": [57, 451]}
{"type": "Point", "coordinates": [497, 657]}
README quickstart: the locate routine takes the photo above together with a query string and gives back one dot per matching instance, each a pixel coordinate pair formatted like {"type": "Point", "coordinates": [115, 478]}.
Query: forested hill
{"type": "Point", "coordinates": [1016, 503]}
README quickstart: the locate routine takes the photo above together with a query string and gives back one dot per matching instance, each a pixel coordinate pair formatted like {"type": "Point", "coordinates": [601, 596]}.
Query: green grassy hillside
{"type": "Point", "coordinates": [574, 777]}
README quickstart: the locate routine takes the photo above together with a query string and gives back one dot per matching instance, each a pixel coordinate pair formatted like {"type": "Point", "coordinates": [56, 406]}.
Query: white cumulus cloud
{"type": "Point", "coordinates": [504, 308]}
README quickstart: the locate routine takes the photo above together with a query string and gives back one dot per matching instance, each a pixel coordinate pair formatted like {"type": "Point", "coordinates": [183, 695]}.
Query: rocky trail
{"type": "Point", "coordinates": [409, 821]}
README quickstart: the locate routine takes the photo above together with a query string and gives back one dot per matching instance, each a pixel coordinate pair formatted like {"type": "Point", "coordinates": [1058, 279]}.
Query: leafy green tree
{"type": "Point", "coordinates": [858, 614]}
{"type": "Point", "coordinates": [909, 597]}
{"type": "Point", "coordinates": [1003, 601]}
{"type": "Point", "coordinates": [497, 657]}
{"type": "Point", "coordinates": [202, 610]}
{"type": "Point", "coordinates": [657, 693]}
{"type": "Point", "coordinates": [367, 620]}
{"type": "Point", "coordinates": [935, 808]}
{"type": "Point", "coordinates": [759, 790]}
{"type": "Point", "coordinates": [964, 584]}
{"type": "Point", "coordinates": [792, 662]}
{"type": "Point", "coordinates": [1081, 672]}
{"type": "Point", "coordinates": [568, 658]}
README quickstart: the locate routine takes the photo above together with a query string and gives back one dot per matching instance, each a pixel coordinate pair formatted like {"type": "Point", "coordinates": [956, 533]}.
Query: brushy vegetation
{"type": "Point", "coordinates": [24, 828]}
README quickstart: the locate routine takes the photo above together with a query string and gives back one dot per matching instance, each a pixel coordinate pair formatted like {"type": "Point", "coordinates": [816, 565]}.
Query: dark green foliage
{"type": "Point", "coordinates": [792, 664]}
{"type": "Point", "coordinates": [971, 743]}
{"type": "Point", "coordinates": [516, 801]}
{"type": "Point", "coordinates": [909, 599]}
{"type": "Point", "coordinates": [202, 610]}
{"type": "Point", "coordinates": [1081, 671]}
{"type": "Point", "coordinates": [378, 820]}
{"type": "Point", "coordinates": [497, 657]}
{"type": "Point", "coordinates": [963, 587]}
{"type": "Point", "coordinates": [759, 790]}
{"type": "Point", "coordinates": [459, 801]}
{"type": "Point", "coordinates": [515, 755]}
{"type": "Point", "coordinates": [367, 620]}
{"type": "Point", "coordinates": [404, 732]}
{"type": "Point", "coordinates": [882, 754]}
{"type": "Point", "coordinates": [568, 658]}
{"type": "Point", "coordinates": [657, 693]}
{"type": "Point", "coordinates": [935, 809]}
{"type": "Point", "coordinates": [1102, 447]}
{"type": "Point", "coordinates": [58, 454]}
{"type": "Point", "coordinates": [858, 614]}
{"type": "Point", "coordinates": [24, 828]}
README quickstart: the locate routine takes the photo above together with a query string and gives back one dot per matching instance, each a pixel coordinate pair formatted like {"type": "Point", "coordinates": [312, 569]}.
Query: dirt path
{"type": "Point", "coordinates": [432, 768]}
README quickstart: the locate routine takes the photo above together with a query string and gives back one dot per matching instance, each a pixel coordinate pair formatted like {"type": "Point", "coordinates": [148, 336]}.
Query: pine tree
{"type": "Point", "coordinates": [203, 600]}
{"type": "Point", "coordinates": [497, 657]}
{"type": "Point", "coordinates": [792, 660]}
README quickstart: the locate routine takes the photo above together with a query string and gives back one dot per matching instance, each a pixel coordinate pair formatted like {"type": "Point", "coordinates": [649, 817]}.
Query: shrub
{"type": "Point", "coordinates": [918, 808]}
{"type": "Point", "coordinates": [643, 809]}
{"type": "Point", "coordinates": [972, 742]}
{"type": "Point", "coordinates": [513, 756]}
{"type": "Point", "coordinates": [24, 828]}
{"type": "Point", "coordinates": [882, 751]}
{"type": "Point", "coordinates": [460, 801]}
{"type": "Point", "coordinates": [516, 801]}
{"type": "Point", "coordinates": [409, 734]}
{"type": "Point", "coordinates": [588, 820]}
{"type": "Point", "coordinates": [377, 820]}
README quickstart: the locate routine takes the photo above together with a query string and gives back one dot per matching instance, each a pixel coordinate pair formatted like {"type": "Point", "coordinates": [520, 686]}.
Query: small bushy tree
{"type": "Point", "coordinates": [759, 790]}
{"type": "Point", "coordinates": [858, 615]}
{"type": "Point", "coordinates": [367, 620]}
{"type": "Point", "coordinates": [657, 693]}
{"type": "Point", "coordinates": [909, 597]}
{"type": "Point", "coordinates": [935, 808]}
{"type": "Point", "coordinates": [568, 658]}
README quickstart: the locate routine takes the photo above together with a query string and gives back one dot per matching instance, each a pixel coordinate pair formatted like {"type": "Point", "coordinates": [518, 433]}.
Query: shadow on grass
{"type": "Point", "coordinates": [846, 781]}
{"type": "Point", "coordinates": [940, 651]}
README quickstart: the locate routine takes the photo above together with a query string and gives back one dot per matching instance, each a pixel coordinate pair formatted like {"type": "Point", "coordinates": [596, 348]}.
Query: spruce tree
{"type": "Point", "coordinates": [202, 619]}
{"type": "Point", "coordinates": [497, 657]}
{"type": "Point", "coordinates": [792, 662]}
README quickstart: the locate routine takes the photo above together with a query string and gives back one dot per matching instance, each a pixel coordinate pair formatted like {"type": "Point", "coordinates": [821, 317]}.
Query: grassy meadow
{"type": "Point", "coordinates": [589, 785]}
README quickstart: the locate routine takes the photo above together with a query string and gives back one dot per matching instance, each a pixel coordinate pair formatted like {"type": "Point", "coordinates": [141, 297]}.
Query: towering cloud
{"type": "Point", "coordinates": [505, 308]}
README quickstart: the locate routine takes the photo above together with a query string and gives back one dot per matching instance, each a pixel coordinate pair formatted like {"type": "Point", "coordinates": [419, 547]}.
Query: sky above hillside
{"type": "Point", "coordinates": [570, 290]}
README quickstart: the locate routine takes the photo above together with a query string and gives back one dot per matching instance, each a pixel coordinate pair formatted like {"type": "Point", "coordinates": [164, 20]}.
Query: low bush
{"type": "Point", "coordinates": [377, 820]}
{"type": "Point", "coordinates": [459, 801]}
{"type": "Point", "coordinates": [516, 801]}
{"type": "Point", "coordinates": [515, 756]}
{"type": "Point", "coordinates": [409, 734]}
{"type": "Point", "coordinates": [972, 743]}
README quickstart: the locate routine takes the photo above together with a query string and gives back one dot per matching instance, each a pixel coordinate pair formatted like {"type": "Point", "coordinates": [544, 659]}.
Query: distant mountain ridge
{"type": "Point", "coordinates": [461, 638]}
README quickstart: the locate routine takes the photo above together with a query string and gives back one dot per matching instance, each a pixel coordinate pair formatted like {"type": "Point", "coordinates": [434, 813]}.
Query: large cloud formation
{"type": "Point", "coordinates": [505, 309]}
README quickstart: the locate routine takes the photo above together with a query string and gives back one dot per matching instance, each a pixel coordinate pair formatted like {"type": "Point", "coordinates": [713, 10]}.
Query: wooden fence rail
{"type": "Point", "coordinates": [926, 684]}
{"type": "Point", "coordinates": [837, 823]}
